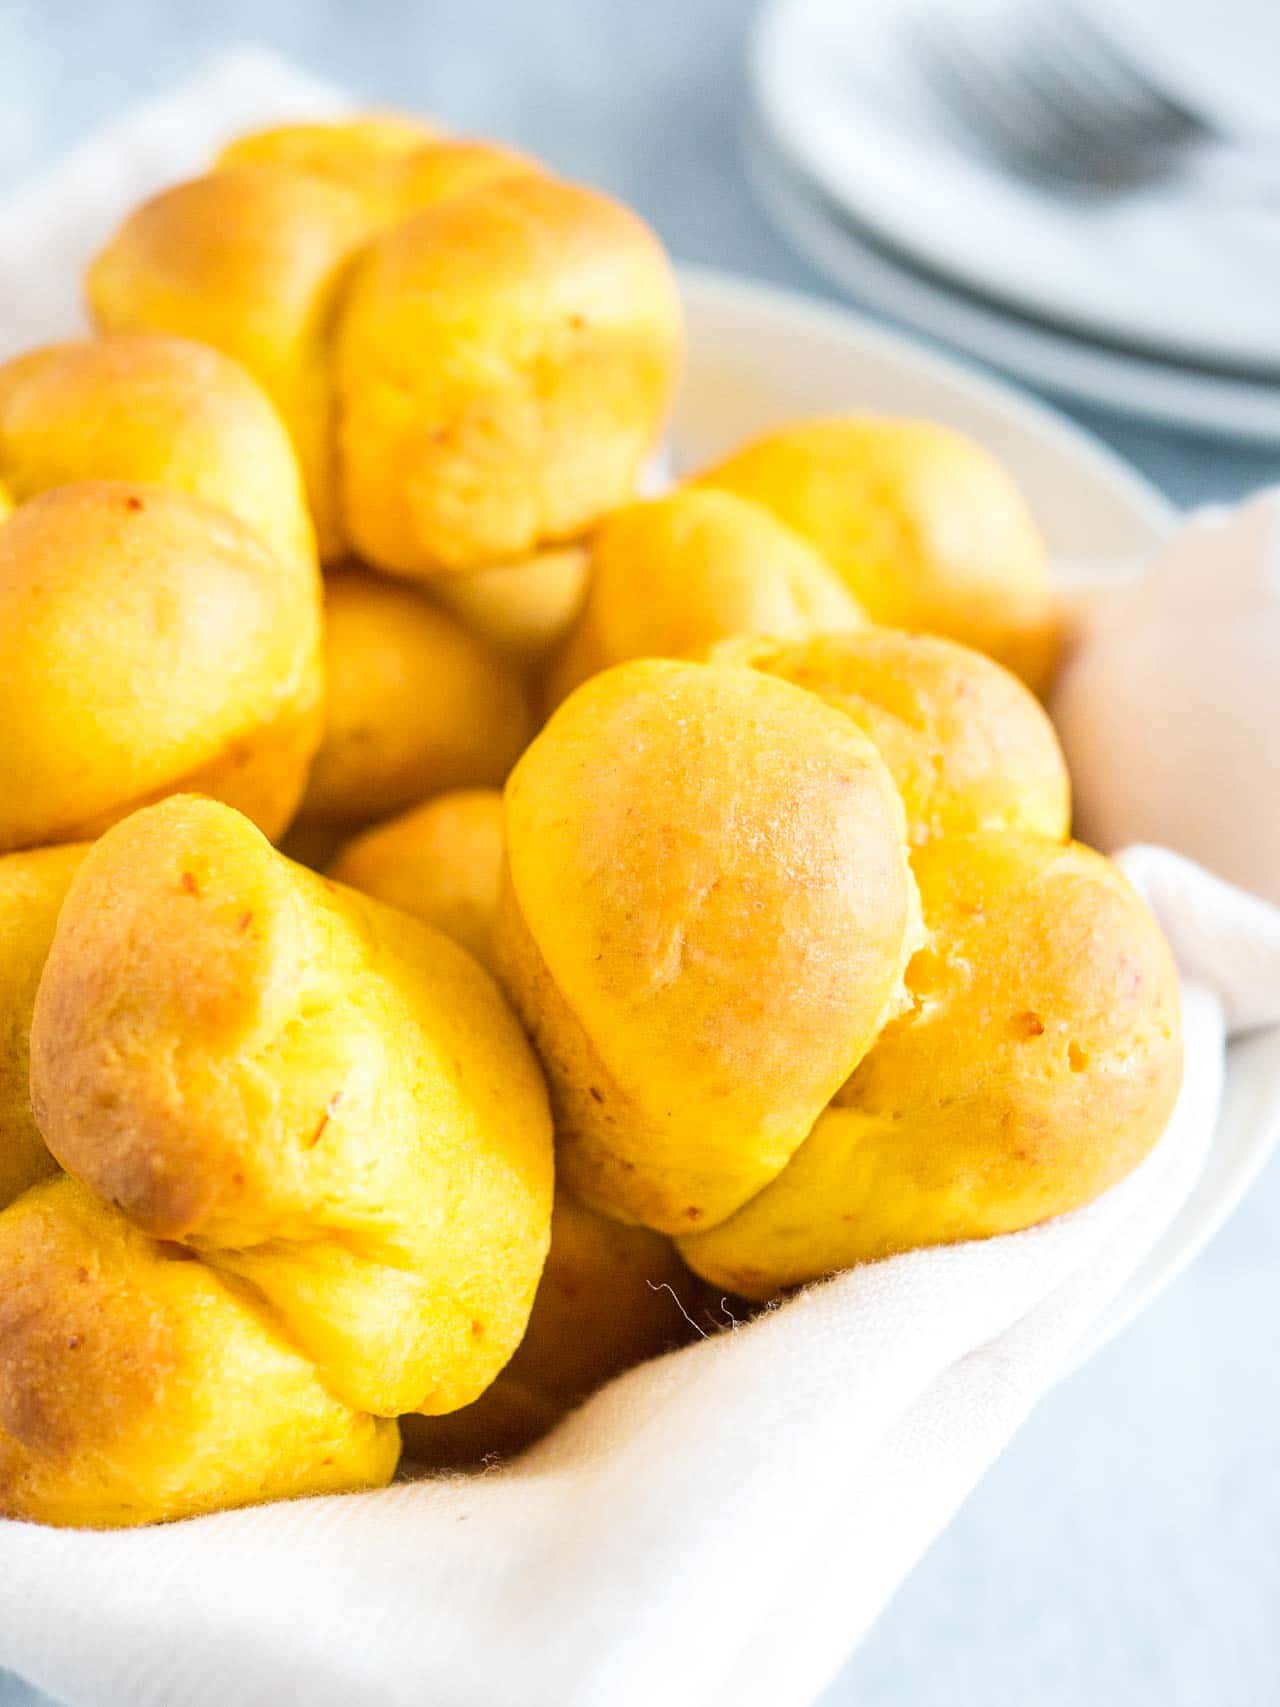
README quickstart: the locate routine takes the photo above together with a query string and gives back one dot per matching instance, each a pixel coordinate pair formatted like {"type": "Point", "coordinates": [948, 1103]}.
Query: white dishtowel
{"type": "Point", "coordinates": [715, 1529]}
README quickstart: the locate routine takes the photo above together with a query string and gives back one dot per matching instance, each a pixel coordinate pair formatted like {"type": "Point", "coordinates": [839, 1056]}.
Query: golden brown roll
{"type": "Point", "coordinates": [316, 1095]}
{"type": "Point", "coordinates": [926, 528]}
{"type": "Point", "coordinates": [1037, 1065]}
{"type": "Point", "coordinates": [32, 888]}
{"type": "Point", "coordinates": [415, 704]}
{"type": "Point", "coordinates": [505, 364]}
{"type": "Point", "coordinates": [442, 862]}
{"type": "Point", "coordinates": [704, 923]}
{"type": "Point", "coordinates": [137, 1385]}
{"type": "Point", "coordinates": [148, 642]}
{"type": "Point", "coordinates": [969, 746]}
{"type": "Point", "coordinates": [168, 411]}
{"type": "Point", "coordinates": [610, 1297]}
{"type": "Point", "coordinates": [671, 577]}
{"type": "Point", "coordinates": [159, 601]}
{"type": "Point", "coordinates": [474, 358]}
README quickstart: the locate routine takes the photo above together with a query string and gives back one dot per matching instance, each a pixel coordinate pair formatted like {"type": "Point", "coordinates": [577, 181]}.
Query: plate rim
{"type": "Point", "coordinates": [859, 331]}
{"type": "Point", "coordinates": [1068, 366]}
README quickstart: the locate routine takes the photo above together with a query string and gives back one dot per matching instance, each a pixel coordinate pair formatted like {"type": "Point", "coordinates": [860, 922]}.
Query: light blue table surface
{"type": "Point", "coordinates": [1126, 1548]}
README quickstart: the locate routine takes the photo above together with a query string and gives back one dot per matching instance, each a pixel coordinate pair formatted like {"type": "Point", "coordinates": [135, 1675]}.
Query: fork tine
{"type": "Point", "coordinates": [1102, 84]}
{"type": "Point", "coordinates": [961, 77]}
{"type": "Point", "coordinates": [1083, 123]}
{"type": "Point", "coordinates": [1036, 133]}
{"type": "Point", "coordinates": [1060, 101]}
{"type": "Point", "coordinates": [1126, 73]}
{"type": "Point", "coordinates": [1095, 129]}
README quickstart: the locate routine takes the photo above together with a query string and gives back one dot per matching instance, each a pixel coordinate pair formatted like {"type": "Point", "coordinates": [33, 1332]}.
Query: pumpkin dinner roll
{"type": "Point", "coordinates": [705, 918]}
{"type": "Point", "coordinates": [32, 888]}
{"type": "Point", "coordinates": [415, 704]}
{"type": "Point", "coordinates": [611, 1296]}
{"type": "Point", "coordinates": [925, 526]}
{"type": "Point", "coordinates": [475, 358]}
{"type": "Point", "coordinates": [174, 413]}
{"type": "Point", "coordinates": [1038, 1063]}
{"type": "Point", "coordinates": [671, 577]}
{"type": "Point", "coordinates": [969, 746]}
{"type": "Point", "coordinates": [320, 1097]}
{"type": "Point", "coordinates": [159, 600]}
{"type": "Point", "coordinates": [138, 1385]}
{"type": "Point", "coordinates": [505, 364]}
{"type": "Point", "coordinates": [442, 862]}
{"type": "Point", "coordinates": [148, 642]}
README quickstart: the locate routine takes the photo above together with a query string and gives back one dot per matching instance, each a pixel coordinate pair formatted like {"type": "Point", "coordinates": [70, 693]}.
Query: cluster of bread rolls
{"type": "Point", "coordinates": [675, 899]}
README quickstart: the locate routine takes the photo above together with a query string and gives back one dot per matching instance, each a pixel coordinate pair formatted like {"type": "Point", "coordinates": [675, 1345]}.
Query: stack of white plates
{"type": "Point", "coordinates": [1158, 302]}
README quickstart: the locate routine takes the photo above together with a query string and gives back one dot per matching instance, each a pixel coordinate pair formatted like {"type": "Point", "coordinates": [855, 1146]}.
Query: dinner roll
{"type": "Point", "coordinates": [705, 918]}
{"type": "Point", "coordinates": [146, 407]}
{"type": "Point", "coordinates": [925, 526]}
{"type": "Point", "coordinates": [1037, 1065]}
{"type": "Point", "coordinates": [442, 862]}
{"type": "Point", "coordinates": [475, 358]}
{"type": "Point", "coordinates": [138, 1385]}
{"type": "Point", "coordinates": [671, 577]}
{"type": "Point", "coordinates": [149, 642]}
{"type": "Point", "coordinates": [610, 1297]}
{"type": "Point", "coordinates": [504, 366]}
{"type": "Point", "coordinates": [32, 888]}
{"type": "Point", "coordinates": [159, 609]}
{"type": "Point", "coordinates": [415, 704]}
{"type": "Point", "coordinates": [316, 1095]}
{"type": "Point", "coordinates": [969, 746]}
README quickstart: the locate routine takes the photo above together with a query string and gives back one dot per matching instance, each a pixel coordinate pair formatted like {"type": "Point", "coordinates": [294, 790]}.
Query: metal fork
{"type": "Point", "coordinates": [1059, 101]}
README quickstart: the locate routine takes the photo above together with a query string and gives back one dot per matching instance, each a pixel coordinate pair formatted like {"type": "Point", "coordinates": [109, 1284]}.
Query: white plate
{"type": "Point", "coordinates": [840, 87]}
{"type": "Point", "coordinates": [1049, 358]}
{"type": "Point", "coordinates": [758, 356]}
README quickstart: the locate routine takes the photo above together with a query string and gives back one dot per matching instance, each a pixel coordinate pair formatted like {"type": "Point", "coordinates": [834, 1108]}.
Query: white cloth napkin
{"type": "Point", "coordinates": [715, 1529]}
{"type": "Point", "coordinates": [1169, 707]}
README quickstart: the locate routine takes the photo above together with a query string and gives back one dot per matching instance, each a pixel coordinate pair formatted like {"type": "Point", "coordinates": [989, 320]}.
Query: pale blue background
{"type": "Point", "coordinates": [1126, 1549]}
